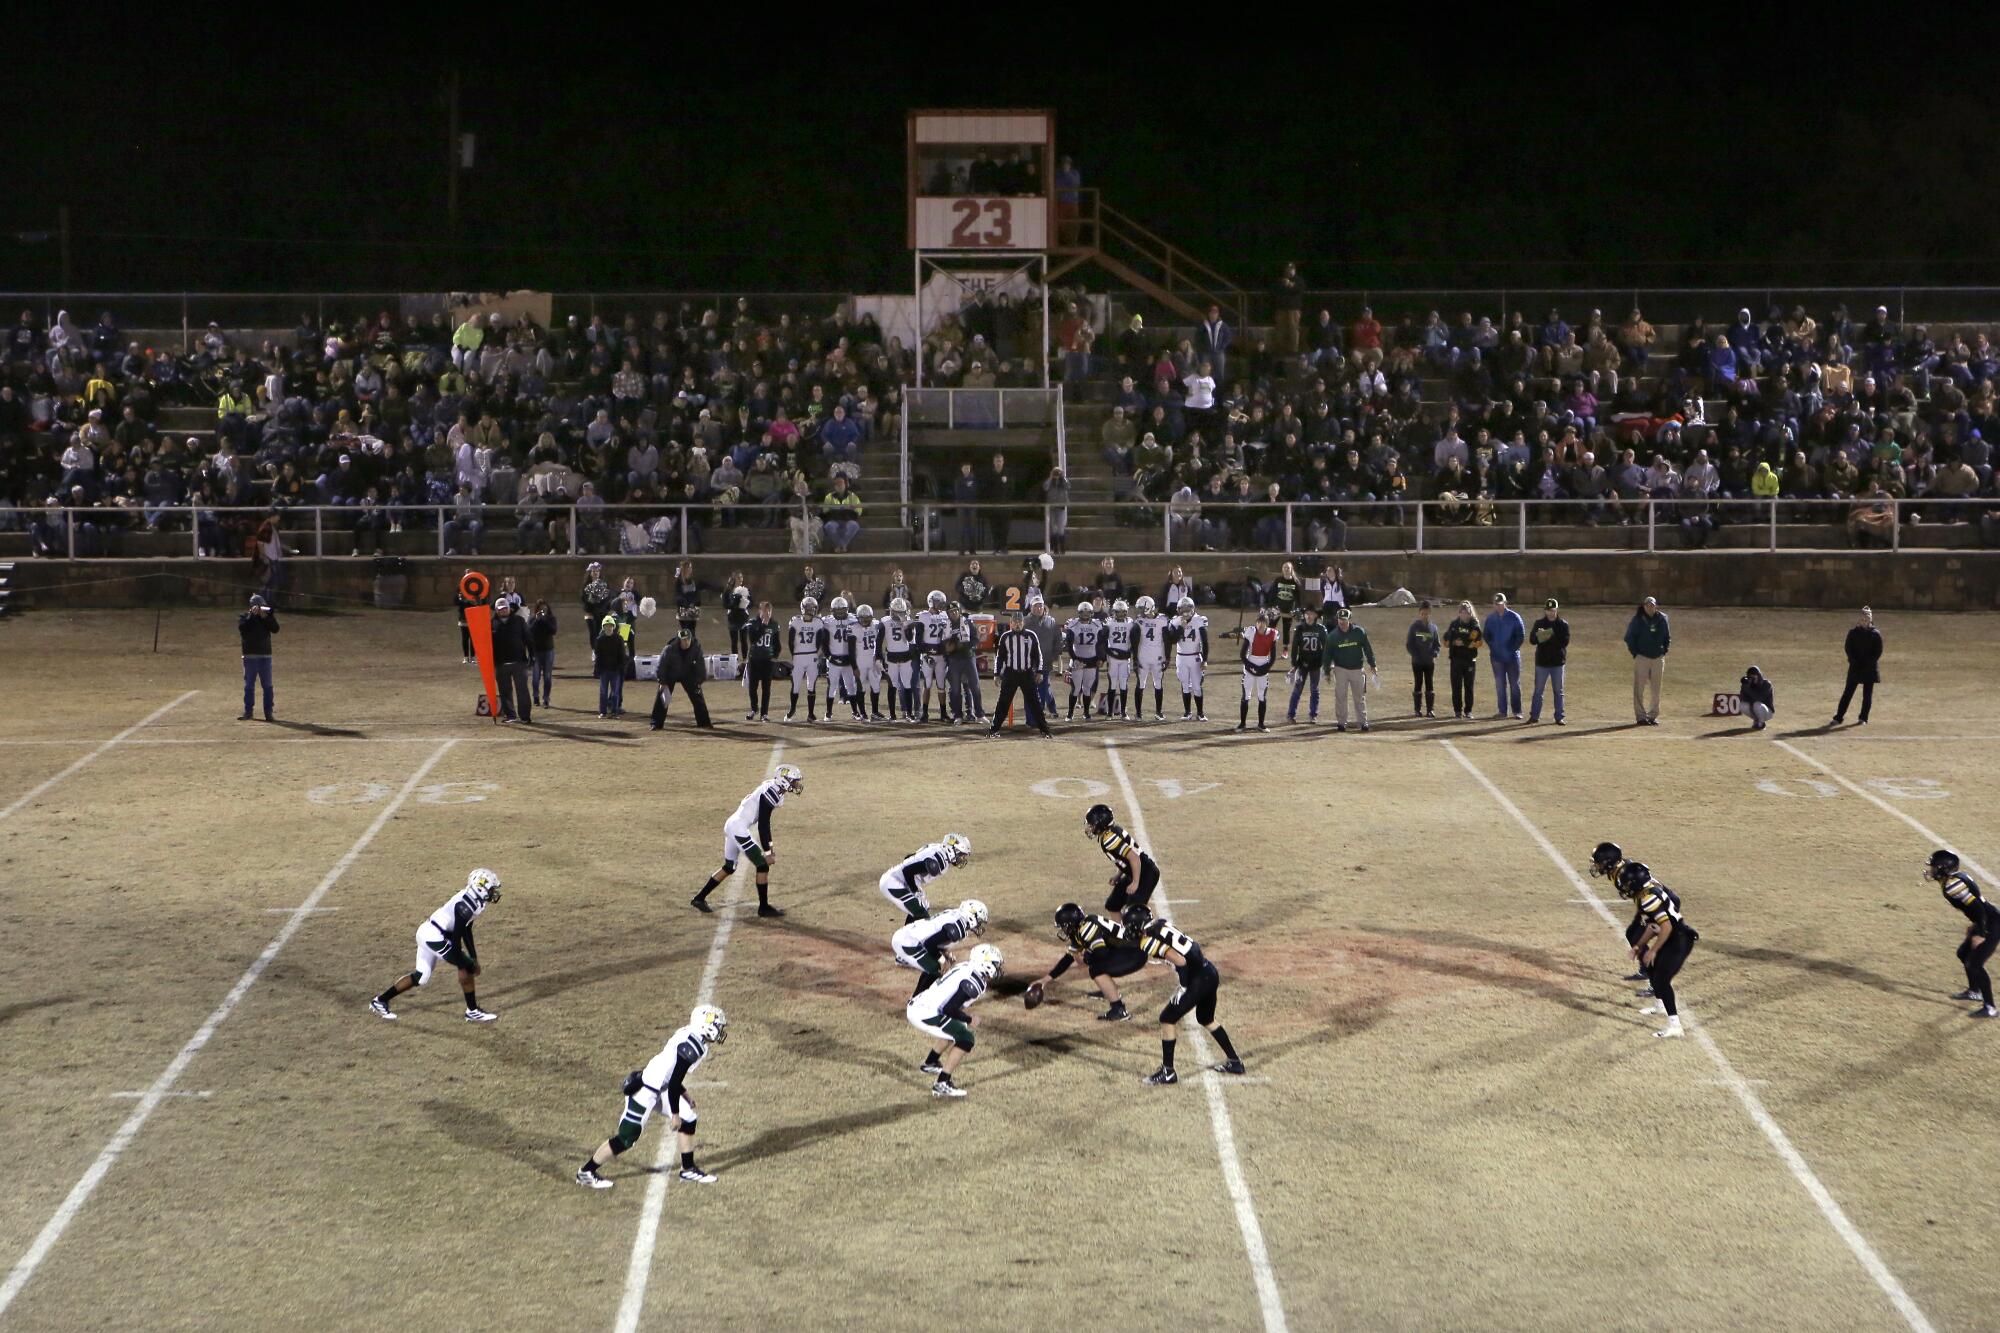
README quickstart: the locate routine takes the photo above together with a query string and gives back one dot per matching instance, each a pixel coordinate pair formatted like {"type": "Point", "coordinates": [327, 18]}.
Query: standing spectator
{"type": "Point", "coordinates": [965, 491]}
{"type": "Point", "coordinates": [737, 601]}
{"type": "Point", "coordinates": [1055, 494]}
{"type": "Point", "coordinates": [255, 627]}
{"type": "Point", "coordinates": [1504, 634]}
{"type": "Point", "coordinates": [1306, 646]}
{"type": "Point", "coordinates": [542, 642]}
{"type": "Point", "coordinates": [1864, 659]}
{"type": "Point", "coordinates": [1283, 597]}
{"type": "Point", "coordinates": [1423, 642]}
{"type": "Point", "coordinates": [607, 663]}
{"type": "Point", "coordinates": [510, 662]}
{"type": "Point", "coordinates": [961, 668]}
{"type": "Point", "coordinates": [687, 589]}
{"type": "Point", "coordinates": [1048, 632]}
{"type": "Point", "coordinates": [681, 664]}
{"type": "Point", "coordinates": [1462, 638]}
{"type": "Point", "coordinates": [997, 487]}
{"type": "Point", "coordinates": [1023, 669]}
{"type": "Point", "coordinates": [1550, 636]}
{"type": "Point", "coordinates": [596, 600]}
{"type": "Point", "coordinates": [1286, 300]}
{"type": "Point", "coordinates": [1647, 639]}
{"type": "Point", "coordinates": [760, 656]}
{"type": "Point", "coordinates": [972, 587]}
{"type": "Point", "coordinates": [1109, 585]}
{"type": "Point", "coordinates": [1212, 338]}
{"type": "Point", "coordinates": [1755, 693]}
{"type": "Point", "coordinates": [1350, 651]}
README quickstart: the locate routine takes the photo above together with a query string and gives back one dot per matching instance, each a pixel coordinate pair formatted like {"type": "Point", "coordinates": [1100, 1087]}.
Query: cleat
{"type": "Point", "coordinates": [1654, 1008]}
{"type": "Point", "coordinates": [1242, 726]}
{"type": "Point", "coordinates": [381, 1010]}
{"type": "Point", "coordinates": [1340, 726]}
{"type": "Point", "coordinates": [592, 1180]}
{"type": "Point", "coordinates": [1228, 1067]}
{"type": "Point", "coordinates": [1643, 993]}
{"type": "Point", "coordinates": [1161, 1077]}
{"type": "Point", "coordinates": [1636, 976]}
{"type": "Point", "coordinates": [700, 904]}
{"type": "Point", "coordinates": [1968, 994]}
{"type": "Point", "coordinates": [479, 1016]}
{"type": "Point", "coordinates": [1985, 1011]}
{"type": "Point", "coordinates": [1117, 1013]}
{"type": "Point", "coordinates": [1262, 727]}
{"type": "Point", "coordinates": [1187, 717]}
{"type": "Point", "coordinates": [1672, 1029]}
{"type": "Point", "coordinates": [1201, 717]}
{"type": "Point", "coordinates": [747, 717]}
{"type": "Point", "coordinates": [694, 1175]}
{"type": "Point", "coordinates": [770, 911]}
{"type": "Point", "coordinates": [931, 1065]}
{"type": "Point", "coordinates": [944, 1088]}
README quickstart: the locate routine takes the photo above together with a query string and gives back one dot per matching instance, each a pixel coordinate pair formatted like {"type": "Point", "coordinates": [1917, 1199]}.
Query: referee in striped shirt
{"type": "Point", "coordinates": [1019, 662]}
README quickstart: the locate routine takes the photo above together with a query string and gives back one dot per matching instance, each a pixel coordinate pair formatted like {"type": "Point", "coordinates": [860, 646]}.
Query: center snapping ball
{"type": "Point", "coordinates": [647, 606]}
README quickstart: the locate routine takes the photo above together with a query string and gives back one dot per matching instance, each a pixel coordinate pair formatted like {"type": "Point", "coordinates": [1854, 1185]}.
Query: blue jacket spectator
{"type": "Point", "coordinates": [1505, 633]}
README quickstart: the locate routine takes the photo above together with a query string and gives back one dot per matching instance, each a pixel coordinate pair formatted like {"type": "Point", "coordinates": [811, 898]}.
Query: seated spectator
{"type": "Point", "coordinates": [1872, 520]}
{"type": "Point", "coordinates": [466, 522]}
{"type": "Point", "coordinates": [840, 516]}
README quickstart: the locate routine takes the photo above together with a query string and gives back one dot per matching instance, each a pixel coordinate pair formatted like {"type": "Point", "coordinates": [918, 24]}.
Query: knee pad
{"type": "Point", "coordinates": [627, 1135]}
{"type": "Point", "coordinates": [687, 1127]}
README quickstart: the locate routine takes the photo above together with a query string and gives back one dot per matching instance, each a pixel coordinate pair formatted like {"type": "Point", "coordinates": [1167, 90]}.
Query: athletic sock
{"type": "Point", "coordinates": [1158, 691]}
{"type": "Point", "coordinates": [1187, 702]}
{"type": "Point", "coordinates": [763, 895]}
{"type": "Point", "coordinates": [1262, 704]}
{"type": "Point", "coordinates": [386, 996]}
{"type": "Point", "coordinates": [471, 1002]}
{"type": "Point", "coordinates": [687, 1161]}
{"type": "Point", "coordinates": [589, 1167]}
{"type": "Point", "coordinates": [709, 887]}
{"type": "Point", "coordinates": [1222, 1040]}
{"type": "Point", "coordinates": [1243, 713]}
{"type": "Point", "coordinates": [1167, 1053]}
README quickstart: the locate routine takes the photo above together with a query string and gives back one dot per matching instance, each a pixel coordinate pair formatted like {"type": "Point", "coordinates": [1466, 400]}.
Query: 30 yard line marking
{"type": "Point", "coordinates": [1218, 1110]}
{"type": "Point", "coordinates": [1884, 806]}
{"type": "Point", "coordinates": [163, 1086]}
{"type": "Point", "coordinates": [1753, 1105]}
{"type": "Point", "coordinates": [92, 757]}
{"type": "Point", "coordinates": [640, 1269]}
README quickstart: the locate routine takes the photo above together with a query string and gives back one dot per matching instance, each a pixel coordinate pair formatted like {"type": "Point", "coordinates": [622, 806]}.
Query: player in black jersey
{"type": "Point", "coordinates": [1199, 982]}
{"type": "Point", "coordinates": [1105, 951]}
{"type": "Point", "coordinates": [1606, 859]}
{"type": "Point", "coordinates": [1982, 931]}
{"type": "Point", "coordinates": [1138, 874]}
{"type": "Point", "coordinates": [1664, 940]}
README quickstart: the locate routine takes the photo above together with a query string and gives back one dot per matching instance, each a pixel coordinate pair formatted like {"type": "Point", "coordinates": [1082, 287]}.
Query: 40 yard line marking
{"type": "Point", "coordinates": [163, 1086]}
{"type": "Point", "coordinates": [91, 758]}
{"type": "Point", "coordinates": [640, 1270]}
{"type": "Point", "coordinates": [1753, 1105]}
{"type": "Point", "coordinates": [1218, 1110]}
{"type": "Point", "coordinates": [1884, 807]}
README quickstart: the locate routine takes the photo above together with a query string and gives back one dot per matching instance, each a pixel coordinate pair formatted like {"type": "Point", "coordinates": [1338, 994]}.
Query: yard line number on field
{"type": "Point", "coordinates": [640, 1269]}
{"type": "Point", "coordinates": [1218, 1110]}
{"type": "Point", "coordinates": [1753, 1105]}
{"type": "Point", "coordinates": [163, 1086]}
{"type": "Point", "coordinates": [1884, 806]}
{"type": "Point", "coordinates": [94, 755]}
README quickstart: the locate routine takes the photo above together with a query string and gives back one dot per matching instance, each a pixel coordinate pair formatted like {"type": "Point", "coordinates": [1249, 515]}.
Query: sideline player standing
{"type": "Point", "coordinates": [1199, 982]}
{"type": "Point", "coordinates": [1981, 934]}
{"type": "Point", "coordinates": [803, 639]}
{"type": "Point", "coordinates": [446, 937]}
{"type": "Point", "coordinates": [748, 833]}
{"type": "Point", "coordinates": [1102, 946]}
{"type": "Point", "coordinates": [1119, 635]}
{"type": "Point", "coordinates": [843, 641]}
{"type": "Point", "coordinates": [1664, 940]}
{"type": "Point", "coordinates": [663, 1083]}
{"type": "Point", "coordinates": [1152, 658]}
{"type": "Point", "coordinates": [903, 883]}
{"type": "Point", "coordinates": [1135, 864]}
{"type": "Point", "coordinates": [868, 659]}
{"type": "Point", "coordinates": [925, 943]}
{"type": "Point", "coordinates": [1422, 642]}
{"type": "Point", "coordinates": [1189, 637]}
{"type": "Point", "coordinates": [933, 628]}
{"type": "Point", "coordinates": [943, 1012]}
{"type": "Point", "coordinates": [1308, 653]}
{"type": "Point", "coordinates": [1260, 650]}
{"type": "Point", "coordinates": [1081, 637]}
{"type": "Point", "coordinates": [902, 640]}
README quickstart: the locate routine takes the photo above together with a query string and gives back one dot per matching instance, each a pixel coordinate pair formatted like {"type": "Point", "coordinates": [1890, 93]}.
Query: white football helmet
{"type": "Point", "coordinates": [839, 607]}
{"type": "Point", "coordinates": [790, 778]}
{"type": "Point", "coordinates": [1186, 606]}
{"type": "Point", "coordinates": [1085, 611]}
{"type": "Point", "coordinates": [986, 958]}
{"type": "Point", "coordinates": [957, 848]}
{"type": "Point", "coordinates": [1146, 606]}
{"type": "Point", "coordinates": [1119, 610]}
{"type": "Point", "coordinates": [899, 607]}
{"type": "Point", "coordinates": [809, 606]}
{"type": "Point", "coordinates": [975, 912]}
{"type": "Point", "coordinates": [484, 885]}
{"type": "Point", "coordinates": [936, 601]}
{"type": "Point", "coordinates": [709, 1023]}
{"type": "Point", "coordinates": [864, 613]}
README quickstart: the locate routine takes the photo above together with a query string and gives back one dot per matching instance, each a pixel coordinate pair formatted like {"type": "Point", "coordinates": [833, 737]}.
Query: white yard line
{"type": "Point", "coordinates": [93, 756]}
{"type": "Point", "coordinates": [1752, 1104]}
{"type": "Point", "coordinates": [639, 1271]}
{"type": "Point", "coordinates": [1885, 807]}
{"type": "Point", "coordinates": [1218, 1110]}
{"type": "Point", "coordinates": [163, 1086]}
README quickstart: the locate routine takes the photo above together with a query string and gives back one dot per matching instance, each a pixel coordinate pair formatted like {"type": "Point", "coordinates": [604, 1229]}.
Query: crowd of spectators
{"type": "Point", "coordinates": [463, 421]}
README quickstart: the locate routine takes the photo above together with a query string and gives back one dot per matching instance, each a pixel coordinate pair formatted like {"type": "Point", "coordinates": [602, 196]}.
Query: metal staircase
{"type": "Point", "coordinates": [1141, 258]}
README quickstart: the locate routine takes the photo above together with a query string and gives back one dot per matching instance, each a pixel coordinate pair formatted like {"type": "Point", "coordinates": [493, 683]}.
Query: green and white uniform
{"type": "Point", "coordinates": [939, 1010]}
{"type": "Point", "coordinates": [922, 944]}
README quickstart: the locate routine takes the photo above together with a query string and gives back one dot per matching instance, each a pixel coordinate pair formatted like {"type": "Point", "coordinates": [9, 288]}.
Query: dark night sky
{"type": "Point", "coordinates": [697, 158]}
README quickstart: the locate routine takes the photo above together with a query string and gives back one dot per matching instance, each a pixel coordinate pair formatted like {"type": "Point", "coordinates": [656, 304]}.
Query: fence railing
{"type": "Point", "coordinates": [982, 409]}
{"type": "Point", "coordinates": [1115, 527]}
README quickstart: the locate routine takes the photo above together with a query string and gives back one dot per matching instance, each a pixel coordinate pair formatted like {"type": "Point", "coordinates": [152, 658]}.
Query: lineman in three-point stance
{"type": "Point", "coordinates": [446, 937]}
{"type": "Point", "coordinates": [925, 944]}
{"type": "Point", "coordinates": [748, 833]}
{"type": "Point", "coordinates": [1105, 951]}
{"type": "Point", "coordinates": [1982, 931]}
{"type": "Point", "coordinates": [1664, 940]}
{"type": "Point", "coordinates": [1199, 982]}
{"type": "Point", "coordinates": [943, 1013]}
{"type": "Point", "coordinates": [663, 1084]}
{"type": "Point", "coordinates": [1137, 875]}
{"type": "Point", "coordinates": [903, 883]}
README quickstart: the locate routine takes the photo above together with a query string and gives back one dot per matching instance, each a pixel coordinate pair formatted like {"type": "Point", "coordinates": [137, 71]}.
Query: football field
{"type": "Point", "coordinates": [1454, 1114]}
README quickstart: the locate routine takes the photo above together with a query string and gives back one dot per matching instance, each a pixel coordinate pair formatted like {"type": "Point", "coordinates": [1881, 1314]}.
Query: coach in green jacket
{"type": "Point", "coordinates": [1647, 638]}
{"type": "Point", "coordinates": [1349, 651]}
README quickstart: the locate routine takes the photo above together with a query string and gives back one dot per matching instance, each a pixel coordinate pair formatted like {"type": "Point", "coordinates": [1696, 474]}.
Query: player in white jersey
{"type": "Point", "coordinates": [868, 658]}
{"type": "Point", "coordinates": [843, 679]}
{"type": "Point", "coordinates": [1260, 651]}
{"type": "Point", "coordinates": [903, 883]}
{"type": "Point", "coordinates": [933, 628]}
{"type": "Point", "coordinates": [925, 943]}
{"type": "Point", "coordinates": [662, 1085]}
{"type": "Point", "coordinates": [902, 646]}
{"type": "Point", "coordinates": [748, 834]}
{"type": "Point", "coordinates": [942, 1011]}
{"type": "Point", "coordinates": [1121, 634]}
{"type": "Point", "coordinates": [1190, 644]}
{"type": "Point", "coordinates": [1151, 659]}
{"type": "Point", "coordinates": [805, 639]}
{"type": "Point", "coordinates": [1082, 643]}
{"type": "Point", "coordinates": [446, 937]}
